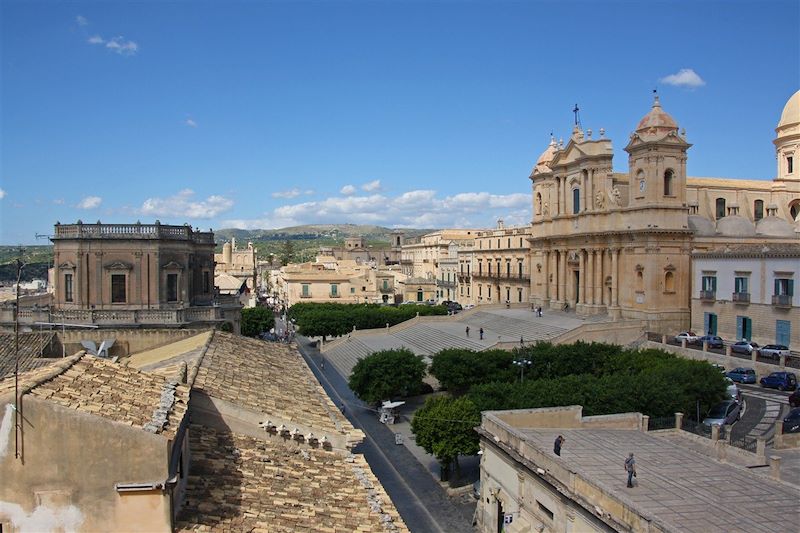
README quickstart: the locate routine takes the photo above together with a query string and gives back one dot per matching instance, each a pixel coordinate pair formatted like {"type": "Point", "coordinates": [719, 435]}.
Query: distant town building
{"type": "Point", "coordinates": [240, 264]}
{"type": "Point", "coordinates": [328, 279]}
{"type": "Point", "coordinates": [500, 270]}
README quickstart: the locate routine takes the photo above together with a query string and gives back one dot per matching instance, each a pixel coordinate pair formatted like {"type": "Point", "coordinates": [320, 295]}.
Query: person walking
{"type": "Point", "coordinates": [630, 468]}
{"type": "Point", "coordinates": [480, 331]}
{"type": "Point", "coordinates": [467, 330]}
{"type": "Point", "coordinates": [557, 445]}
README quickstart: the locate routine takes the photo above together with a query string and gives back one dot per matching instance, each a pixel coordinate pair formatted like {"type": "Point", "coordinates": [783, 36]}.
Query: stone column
{"type": "Point", "coordinates": [563, 201]}
{"type": "Point", "coordinates": [615, 277]}
{"type": "Point", "coordinates": [562, 277]}
{"type": "Point", "coordinates": [599, 288]}
{"type": "Point", "coordinates": [546, 268]}
{"type": "Point", "coordinates": [592, 287]}
{"type": "Point", "coordinates": [678, 420]}
{"type": "Point", "coordinates": [581, 278]}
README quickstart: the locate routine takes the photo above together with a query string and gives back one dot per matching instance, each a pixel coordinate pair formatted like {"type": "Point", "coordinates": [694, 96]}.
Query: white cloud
{"type": "Point", "coordinates": [2, 194]}
{"type": "Point", "coordinates": [90, 202]}
{"type": "Point", "coordinates": [685, 77]}
{"type": "Point", "coordinates": [418, 208]}
{"type": "Point", "coordinates": [81, 20]}
{"type": "Point", "coordinates": [95, 39]}
{"type": "Point", "coordinates": [58, 201]}
{"type": "Point", "coordinates": [184, 205]}
{"type": "Point", "coordinates": [372, 186]}
{"type": "Point", "coordinates": [122, 47]}
{"type": "Point", "coordinates": [190, 122]}
{"type": "Point", "coordinates": [348, 190]}
{"type": "Point", "coordinates": [292, 193]}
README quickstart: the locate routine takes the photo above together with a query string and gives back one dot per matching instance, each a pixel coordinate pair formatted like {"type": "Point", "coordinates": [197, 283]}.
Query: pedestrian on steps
{"type": "Point", "coordinates": [467, 331]}
{"type": "Point", "coordinates": [480, 331]}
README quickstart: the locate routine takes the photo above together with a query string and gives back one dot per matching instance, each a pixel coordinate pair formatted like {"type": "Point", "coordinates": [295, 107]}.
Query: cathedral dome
{"type": "Point", "coordinates": [735, 226]}
{"type": "Point", "coordinates": [791, 111]}
{"type": "Point", "coordinates": [657, 120]}
{"type": "Point", "coordinates": [701, 226]}
{"type": "Point", "coordinates": [774, 227]}
{"type": "Point", "coordinates": [543, 163]}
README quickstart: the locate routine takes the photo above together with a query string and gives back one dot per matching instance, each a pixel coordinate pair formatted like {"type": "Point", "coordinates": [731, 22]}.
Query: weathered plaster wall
{"type": "Point", "coordinates": [69, 463]}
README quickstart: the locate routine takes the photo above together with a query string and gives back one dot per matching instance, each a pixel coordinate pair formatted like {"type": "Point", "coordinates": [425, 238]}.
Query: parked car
{"type": "Point", "coordinates": [780, 381]}
{"type": "Point", "coordinates": [742, 375]}
{"type": "Point", "coordinates": [774, 350]}
{"type": "Point", "coordinates": [733, 391]}
{"type": "Point", "coordinates": [712, 340]}
{"type": "Point", "coordinates": [794, 399]}
{"type": "Point", "coordinates": [724, 413]}
{"type": "Point", "coordinates": [689, 336]}
{"type": "Point", "coordinates": [791, 424]}
{"type": "Point", "coordinates": [744, 347]}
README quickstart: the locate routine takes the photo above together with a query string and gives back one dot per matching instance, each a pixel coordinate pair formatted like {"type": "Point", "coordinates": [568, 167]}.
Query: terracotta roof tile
{"type": "Point", "coordinates": [93, 385]}
{"type": "Point", "coordinates": [239, 483]}
{"type": "Point", "coordinates": [267, 377]}
{"type": "Point", "coordinates": [31, 346]}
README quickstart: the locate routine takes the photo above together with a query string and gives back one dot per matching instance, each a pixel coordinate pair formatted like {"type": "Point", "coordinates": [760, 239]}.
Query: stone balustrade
{"type": "Point", "coordinates": [131, 231]}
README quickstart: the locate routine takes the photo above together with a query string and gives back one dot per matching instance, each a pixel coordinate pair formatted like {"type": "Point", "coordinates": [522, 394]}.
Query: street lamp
{"type": "Point", "coordinates": [522, 363]}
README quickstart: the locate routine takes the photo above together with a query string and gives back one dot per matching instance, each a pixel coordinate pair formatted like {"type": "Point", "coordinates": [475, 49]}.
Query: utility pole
{"type": "Point", "coordinates": [20, 266]}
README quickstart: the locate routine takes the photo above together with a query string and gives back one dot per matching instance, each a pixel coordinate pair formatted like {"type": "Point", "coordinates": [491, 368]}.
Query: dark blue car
{"type": "Point", "coordinates": [780, 381]}
{"type": "Point", "coordinates": [742, 375]}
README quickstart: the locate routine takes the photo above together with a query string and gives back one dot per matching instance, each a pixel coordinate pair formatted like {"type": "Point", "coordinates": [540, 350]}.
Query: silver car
{"type": "Point", "coordinates": [722, 414]}
{"type": "Point", "coordinates": [774, 350]}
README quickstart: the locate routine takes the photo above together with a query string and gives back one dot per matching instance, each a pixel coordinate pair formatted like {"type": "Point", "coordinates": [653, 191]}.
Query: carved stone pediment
{"type": "Point", "coordinates": [172, 265]}
{"type": "Point", "coordinates": [118, 265]}
{"type": "Point", "coordinates": [67, 265]}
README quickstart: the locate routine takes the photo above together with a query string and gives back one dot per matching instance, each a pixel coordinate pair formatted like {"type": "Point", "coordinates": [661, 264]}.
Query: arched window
{"type": "Point", "coordinates": [720, 208]}
{"type": "Point", "coordinates": [639, 281]}
{"type": "Point", "coordinates": [669, 178]}
{"type": "Point", "coordinates": [758, 209]}
{"type": "Point", "coordinates": [538, 206]}
{"type": "Point", "coordinates": [576, 201]}
{"type": "Point", "coordinates": [669, 282]}
{"type": "Point", "coordinates": [794, 210]}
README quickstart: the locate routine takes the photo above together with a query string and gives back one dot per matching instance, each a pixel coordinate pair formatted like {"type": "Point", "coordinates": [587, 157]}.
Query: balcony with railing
{"type": "Point", "coordinates": [132, 231]}
{"type": "Point", "coordinates": [708, 296]}
{"type": "Point", "coordinates": [742, 298]}
{"type": "Point", "coordinates": [782, 300]}
{"type": "Point", "coordinates": [106, 317]}
{"type": "Point", "coordinates": [509, 276]}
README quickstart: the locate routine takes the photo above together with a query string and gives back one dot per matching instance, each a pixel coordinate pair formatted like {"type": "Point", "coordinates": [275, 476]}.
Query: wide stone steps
{"type": "Point", "coordinates": [512, 327]}
{"type": "Point", "coordinates": [345, 356]}
{"type": "Point", "coordinates": [431, 341]}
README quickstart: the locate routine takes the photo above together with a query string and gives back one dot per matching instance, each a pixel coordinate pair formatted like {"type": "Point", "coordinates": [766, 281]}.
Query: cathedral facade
{"type": "Point", "coordinates": [622, 243]}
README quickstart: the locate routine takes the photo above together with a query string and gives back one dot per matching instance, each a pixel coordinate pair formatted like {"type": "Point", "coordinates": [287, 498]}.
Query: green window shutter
{"type": "Point", "coordinates": [790, 287]}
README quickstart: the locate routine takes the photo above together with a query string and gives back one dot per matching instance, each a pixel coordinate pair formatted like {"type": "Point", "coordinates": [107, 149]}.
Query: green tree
{"type": "Point", "coordinates": [387, 374]}
{"type": "Point", "coordinates": [287, 252]}
{"type": "Point", "coordinates": [256, 320]}
{"type": "Point", "coordinates": [333, 319]}
{"type": "Point", "coordinates": [458, 369]}
{"type": "Point", "coordinates": [444, 427]}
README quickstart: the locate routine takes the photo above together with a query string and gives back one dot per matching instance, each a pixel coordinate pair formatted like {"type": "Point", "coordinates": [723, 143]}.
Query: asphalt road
{"type": "Point", "coordinates": [420, 500]}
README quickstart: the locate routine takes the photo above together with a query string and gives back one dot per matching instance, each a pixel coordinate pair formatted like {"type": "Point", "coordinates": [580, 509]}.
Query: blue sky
{"type": "Point", "coordinates": [410, 114]}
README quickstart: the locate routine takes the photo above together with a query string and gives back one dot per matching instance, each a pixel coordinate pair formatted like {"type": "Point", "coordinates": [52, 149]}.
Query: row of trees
{"type": "Point", "coordinates": [603, 378]}
{"type": "Point", "coordinates": [333, 319]}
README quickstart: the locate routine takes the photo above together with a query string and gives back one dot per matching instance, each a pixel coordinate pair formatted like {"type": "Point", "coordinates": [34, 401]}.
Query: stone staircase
{"type": "Point", "coordinates": [429, 340]}
{"type": "Point", "coordinates": [513, 327]}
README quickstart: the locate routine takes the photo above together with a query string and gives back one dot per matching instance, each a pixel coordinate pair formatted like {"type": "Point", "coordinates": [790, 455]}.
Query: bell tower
{"type": "Point", "coordinates": [657, 161]}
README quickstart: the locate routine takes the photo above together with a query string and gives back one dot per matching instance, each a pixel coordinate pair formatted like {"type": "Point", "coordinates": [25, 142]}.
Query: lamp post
{"type": "Point", "coordinates": [522, 363]}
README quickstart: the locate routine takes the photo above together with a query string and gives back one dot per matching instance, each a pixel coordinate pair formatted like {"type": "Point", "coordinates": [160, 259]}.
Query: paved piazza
{"type": "Point", "coordinates": [678, 486]}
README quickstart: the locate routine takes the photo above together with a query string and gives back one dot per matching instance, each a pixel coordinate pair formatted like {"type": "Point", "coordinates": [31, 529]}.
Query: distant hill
{"type": "Point", "coordinates": [315, 232]}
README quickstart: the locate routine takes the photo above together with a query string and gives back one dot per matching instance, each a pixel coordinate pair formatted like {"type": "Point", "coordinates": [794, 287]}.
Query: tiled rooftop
{"type": "Point", "coordinates": [112, 391]}
{"type": "Point", "coordinates": [31, 345]}
{"type": "Point", "coordinates": [270, 378]}
{"type": "Point", "coordinates": [238, 483]}
{"type": "Point", "coordinates": [678, 486]}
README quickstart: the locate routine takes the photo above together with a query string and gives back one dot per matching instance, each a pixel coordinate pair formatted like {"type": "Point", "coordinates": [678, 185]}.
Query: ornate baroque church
{"type": "Point", "coordinates": [621, 243]}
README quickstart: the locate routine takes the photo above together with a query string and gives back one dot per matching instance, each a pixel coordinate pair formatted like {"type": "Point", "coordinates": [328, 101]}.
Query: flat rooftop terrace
{"type": "Point", "coordinates": [682, 488]}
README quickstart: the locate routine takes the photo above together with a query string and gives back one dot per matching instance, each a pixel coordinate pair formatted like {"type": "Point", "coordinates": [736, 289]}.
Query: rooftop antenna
{"type": "Point", "coordinates": [577, 116]}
